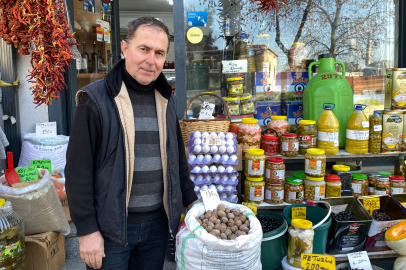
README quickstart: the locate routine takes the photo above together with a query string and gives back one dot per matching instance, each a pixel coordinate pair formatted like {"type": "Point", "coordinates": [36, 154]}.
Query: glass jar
{"type": "Point", "coordinates": [249, 134]}
{"type": "Point", "coordinates": [315, 162]}
{"type": "Point", "coordinates": [315, 188]}
{"type": "Point", "coordinates": [345, 176]}
{"type": "Point", "coordinates": [397, 184]}
{"type": "Point", "coordinates": [200, 62]}
{"type": "Point", "coordinates": [195, 63]}
{"type": "Point", "coordinates": [299, 175]}
{"type": "Point", "coordinates": [233, 105]}
{"type": "Point", "coordinates": [280, 124]}
{"type": "Point", "coordinates": [382, 185]}
{"type": "Point", "coordinates": [385, 173]}
{"type": "Point", "coordinates": [254, 163]}
{"type": "Point", "coordinates": [247, 105]}
{"type": "Point", "coordinates": [333, 186]}
{"type": "Point", "coordinates": [300, 240]}
{"type": "Point", "coordinates": [371, 183]}
{"type": "Point", "coordinates": [213, 63]}
{"type": "Point", "coordinates": [294, 190]}
{"type": "Point", "coordinates": [359, 185]}
{"type": "Point", "coordinates": [207, 62]}
{"type": "Point", "coordinates": [254, 190]}
{"type": "Point", "coordinates": [275, 170]}
{"type": "Point", "coordinates": [235, 87]}
{"type": "Point", "coordinates": [274, 193]}
{"type": "Point", "coordinates": [270, 145]}
{"type": "Point", "coordinates": [307, 134]}
{"type": "Point", "coordinates": [290, 145]}
{"type": "Point", "coordinates": [375, 133]}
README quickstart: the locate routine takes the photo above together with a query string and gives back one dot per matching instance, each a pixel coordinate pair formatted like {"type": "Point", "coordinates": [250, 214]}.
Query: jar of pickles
{"type": "Point", "coordinates": [397, 184]}
{"type": "Point", "coordinates": [254, 163]}
{"type": "Point", "coordinates": [300, 240]}
{"type": "Point", "coordinates": [294, 190]}
{"type": "Point", "coordinates": [249, 134]}
{"type": "Point", "coordinates": [315, 188]}
{"type": "Point", "coordinates": [359, 185]}
{"type": "Point", "coordinates": [290, 145]}
{"type": "Point", "coordinates": [275, 170]}
{"type": "Point", "coordinates": [307, 134]}
{"type": "Point", "coordinates": [315, 162]}
{"type": "Point", "coordinates": [333, 186]}
{"type": "Point", "coordinates": [382, 185]}
{"type": "Point", "coordinates": [247, 105]}
{"type": "Point", "coordinates": [345, 176]}
{"type": "Point", "coordinates": [299, 175]}
{"type": "Point", "coordinates": [274, 193]}
{"type": "Point", "coordinates": [233, 104]}
{"type": "Point", "coordinates": [235, 87]}
{"type": "Point", "coordinates": [375, 133]}
{"type": "Point", "coordinates": [270, 145]}
{"type": "Point", "coordinates": [280, 124]}
{"type": "Point", "coordinates": [371, 183]}
{"type": "Point", "coordinates": [254, 190]}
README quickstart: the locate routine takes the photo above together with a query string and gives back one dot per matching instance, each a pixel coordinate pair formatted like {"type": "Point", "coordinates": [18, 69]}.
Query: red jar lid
{"type": "Point", "coordinates": [289, 135]}
{"type": "Point", "coordinates": [269, 137]}
{"type": "Point", "coordinates": [396, 178]}
{"type": "Point", "coordinates": [275, 160]}
{"type": "Point", "coordinates": [333, 178]}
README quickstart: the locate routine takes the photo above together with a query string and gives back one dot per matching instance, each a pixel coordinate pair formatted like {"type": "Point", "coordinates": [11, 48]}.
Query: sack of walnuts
{"type": "Point", "coordinates": [227, 237]}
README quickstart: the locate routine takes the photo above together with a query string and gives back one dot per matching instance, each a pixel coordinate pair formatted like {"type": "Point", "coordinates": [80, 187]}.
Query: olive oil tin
{"type": "Point", "coordinates": [403, 142]}
{"type": "Point", "coordinates": [392, 131]}
{"type": "Point", "coordinates": [399, 89]}
{"type": "Point", "coordinates": [388, 89]}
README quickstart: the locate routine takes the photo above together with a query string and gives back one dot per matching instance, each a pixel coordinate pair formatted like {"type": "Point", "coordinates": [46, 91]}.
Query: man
{"type": "Point", "coordinates": [126, 173]}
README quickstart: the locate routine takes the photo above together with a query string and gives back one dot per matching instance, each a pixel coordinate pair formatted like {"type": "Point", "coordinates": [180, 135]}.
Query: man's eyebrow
{"type": "Point", "coordinates": [149, 48]}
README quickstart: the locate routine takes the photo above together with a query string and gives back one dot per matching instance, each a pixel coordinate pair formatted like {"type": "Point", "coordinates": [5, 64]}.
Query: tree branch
{"type": "Point", "coordinates": [324, 12]}
{"type": "Point", "coordinates": [304, 19]}
{"type": "Point", "coordinates": [278, 35]}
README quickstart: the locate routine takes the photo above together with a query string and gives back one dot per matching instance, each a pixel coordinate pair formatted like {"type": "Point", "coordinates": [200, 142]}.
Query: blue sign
{"type": "Point", "coordinates": [264, 111]}
{"type": "Point", "coordinates": [88, 5]}
{"type": "Point", "coordinates": [198, 18]}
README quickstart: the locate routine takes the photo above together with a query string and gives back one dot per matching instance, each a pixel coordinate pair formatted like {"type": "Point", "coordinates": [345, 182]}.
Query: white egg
{"type": "Point", "coordinates": [225, 158]}
{"type": "Point", "coordinates": [197, 149]}
{"type": "Point", "coordinates": [233, 177]}
{"type": "Point", "coordinates": [208, 157]}
{"type": "Point", "coordinates": [205, 168]}
{"type": "Point", "coordinates": [221, 168]}
{"type": "Point", "coordinates": [206, 149]}
{"type": "Point", "coordinates": [214, 149]}
{"type": "Point", "coordinates": [196, 169]}
{"type": "Point", "coordinates": [204, 187]}
{"type": "Point", "coordinates": [200, 177]}
{"type": "Point", "coordinates": [212, 187]}
{"type": "Point", "coordinates": [229, 142]}
{"type": "Point", "coordinates": [229, 169]}
{"type": "Point", "coordinates": [224, 197]}
{"type": "Point", "coordinates": [216, 157]}
{"type": "Point", "coordinates": [192, 157]}
{"type": "Point", "coordinates": [197, 134]}
{"type": "Point", "coordinates": [205, 134]}
{"type": "Point", "coordinates": [225, 178]}
{"type": "Point", "coordinates": [223, 149]}
{"type": "Point", "coordinates": [213, 168]}
{"type": "Point", "coordinates": [230, 149]}
{"type": "Point", "coordinates": [192, 177]}
{"type": "Point", "coordinates": [213, 134]}
{"type": "Point", "coordinates": [197, 142]}
{"type": "Point", "coordinates": [233, 158]}
{"type": "Point", "coordinates": [229, 136]}
{"type": "Point", "coordinates": [200, 157]}
{"type": "Point", "coordinates": [221, 134]}
{"type": "Point", "coordinates": [220, 188]}
{"type": "Point", "coordinates": [229, 188]}
{"type": "Point", "coordinates": [208, 178]}
{"type": "Point", "coordinates": [197, 188]}
{"type": "Point", "coordinates": [217, 177]}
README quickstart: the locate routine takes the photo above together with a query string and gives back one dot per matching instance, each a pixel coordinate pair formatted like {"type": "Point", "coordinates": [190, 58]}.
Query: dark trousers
{"type": "Point", "coordinates": [147, 243]}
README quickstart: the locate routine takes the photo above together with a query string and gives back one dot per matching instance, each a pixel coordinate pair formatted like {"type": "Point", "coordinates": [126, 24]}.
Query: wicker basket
{"type": "Point", "coordinates": [187, 126]}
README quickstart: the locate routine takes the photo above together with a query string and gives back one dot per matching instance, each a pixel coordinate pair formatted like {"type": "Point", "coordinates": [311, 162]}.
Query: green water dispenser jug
{"type": "Point", "coordinates": [328, 87]}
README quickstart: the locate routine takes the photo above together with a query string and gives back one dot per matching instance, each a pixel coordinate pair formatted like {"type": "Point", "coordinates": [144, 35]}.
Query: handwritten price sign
{"type": "Point", "coordinates": [359, 260]}
{"type": "Point", "coordinates": [299, 213]}
{"type": "Point", "coordinates": [234, 66]}
{"type": "Point", "coordinates": [46, 130]}
{"type": "Point", "coordinates": [372, 204]}
{"type": "Point", "coordinates": [207, 110]}
{"type": "Point", "coordinates": [42, 164]}
{"type": "Point", "coordinates": [210, 198]}
{"type": "Point", "coordinates": [317, 262]}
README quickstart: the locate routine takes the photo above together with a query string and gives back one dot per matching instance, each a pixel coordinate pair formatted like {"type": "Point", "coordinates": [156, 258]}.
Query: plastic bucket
{"type": "Point", "coordinates": [315, 215]}
{"type": "Point", "coordinates": [287, 266]}
{"type": "Point", "coordinates": [273, 247]}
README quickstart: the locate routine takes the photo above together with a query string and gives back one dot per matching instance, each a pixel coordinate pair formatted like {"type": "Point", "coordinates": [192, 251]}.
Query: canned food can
{"type": "Point", "coordinates": [392, 131]}
{"type": "Point", "coordinates": [399, 89]}
{"type": "Point", "coordinates": [404, 133]}
{"type": "Point", "coordinates": [388, 89]}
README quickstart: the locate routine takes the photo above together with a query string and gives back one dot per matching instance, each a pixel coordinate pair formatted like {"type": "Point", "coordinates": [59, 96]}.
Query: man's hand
{"type": "Point", "coordinates": [91, 249]}
{"type": "Point", "coordinates": [193, 203]}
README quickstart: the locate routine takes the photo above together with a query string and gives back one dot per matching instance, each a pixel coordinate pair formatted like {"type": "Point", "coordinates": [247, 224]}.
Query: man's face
{"type": "Point", "coordinates": [146, 53]}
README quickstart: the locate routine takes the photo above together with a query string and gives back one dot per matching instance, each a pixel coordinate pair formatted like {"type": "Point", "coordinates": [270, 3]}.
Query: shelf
{"type": "Point", "coordinates": [91, 75]}
{"type": "Point", "coordinates": [372, 256]}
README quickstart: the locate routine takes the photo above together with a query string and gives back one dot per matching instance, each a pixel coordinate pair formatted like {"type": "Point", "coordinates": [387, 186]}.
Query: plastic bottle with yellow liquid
{"type": "Point", "coordinates": [328, 130]}
{"type": "Point", "coordinates": [357, 137]}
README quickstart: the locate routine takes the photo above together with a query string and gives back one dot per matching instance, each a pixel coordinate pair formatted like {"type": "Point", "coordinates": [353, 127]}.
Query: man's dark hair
{"type": "Point", "coordinates": [149, 21]}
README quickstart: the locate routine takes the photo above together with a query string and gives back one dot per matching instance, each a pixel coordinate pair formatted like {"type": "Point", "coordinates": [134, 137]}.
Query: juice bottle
{"type": "Point", "coordinates": [327, 130]}
{"type": "Point", "coordinates": [357, 138]}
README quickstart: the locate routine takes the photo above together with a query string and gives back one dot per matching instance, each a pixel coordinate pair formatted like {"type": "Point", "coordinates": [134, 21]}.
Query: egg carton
{"type": "Point", "coordinates": [220, 189]}
{"type": "Point", "coordinates": [199, 181]}
{"type": "Point", "coordinates": [213, 170]}
{"type": "Point", "coordinates": [212, 143]}
{"type": "Point", "coordinates": [226, 160]}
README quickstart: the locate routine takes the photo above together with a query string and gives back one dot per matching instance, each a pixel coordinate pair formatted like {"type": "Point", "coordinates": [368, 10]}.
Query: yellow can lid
{"type": "Point", "coordinates": [231, 99]}
{"type": "Point", "coordinates": [279, 117]}
{"type": "Point", "coordinates": [255, 179]}
{"type": "Point", "coordinates": [234, 79]}
{"type": "Point", "coordinates": [314, 178]}
{"type": "Point", "coordinates": [249, 121]}
{"type": "Point", "coordinates": [302, 223]}
{"type": "Point", "coordinates": [341, 168]}
{"type": "Point", "coordinates": [207, 59]}
{"type": "Point", "coordinates": [246, 97]}
{"type": "Point", "coordinates": [201, 59]}
{"type": "Point", "coordinates": [307, 122]}
{"type": "Point", "coordinates": [194, 60]}
{"type": "Point", "coordinates": [255, 152]}
{"type": "Point", "coordinates": [2, 202]}
{"type": "Point", "coordinates": [299, 43]}
{"type": "Point", "coordinates": [316, 151]}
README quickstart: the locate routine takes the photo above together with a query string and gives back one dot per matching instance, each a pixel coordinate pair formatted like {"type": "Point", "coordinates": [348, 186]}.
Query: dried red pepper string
{"type": "Point", "coordinates": [266, 5]}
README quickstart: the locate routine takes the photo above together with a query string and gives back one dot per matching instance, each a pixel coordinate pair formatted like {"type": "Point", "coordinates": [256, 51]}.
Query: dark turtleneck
{"type": "Point", "coordinates": [134, 85]}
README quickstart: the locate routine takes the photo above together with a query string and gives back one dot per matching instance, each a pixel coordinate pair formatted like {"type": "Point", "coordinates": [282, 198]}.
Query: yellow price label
{"type": "Point", "coordinates": [317, 262]}
{"type": "Point", "coordinates": [251, 206]}
{"type": "Point", "coordinates": [372, 204]}
{"type": "Point", "coordinates": [298, 212]}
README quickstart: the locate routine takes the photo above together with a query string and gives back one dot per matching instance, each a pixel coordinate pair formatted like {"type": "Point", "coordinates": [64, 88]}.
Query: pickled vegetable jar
{"type": "Point", "coordinates": [280, 124]}
{"type": "Point", "coordinates": [235, 87]}
{"type": "Point", "coordinates": [382, 185]}
{"type": "Point", "coordinates": [397, 184]}
{"type": "Point", "coordinates": [371, 183]}
{"type": "Point", "coordinates": [233, 105]}
{"type": "Point", "coordinates": [357, 138]}
{"type": "Point", "coordinates": [274, 193]}
{"type": "Point", "coordinates": [254, 190]}
{"type": "Point", "coordinates": [327, 130]}
{"type": "Point", "coordinates": [299, 175]}
{"type": "Point", "coordinates": [290, 145]}
{"type": "Point", "coordinates": [270, 145]}
{"type": "Point", "coordinates": [333, 186]}
{"type": "Point", "coordinates": [315, 162]}
{"type": "Point", "coordinates": [275, 170]}
{"type": "Point", "coordinates": [307, 134]}
{"type": "Point", "coordinates": [315, 188]}
{"type": "Point", "coordinates": [247, 105]}
{"type": "Point", "coordinates": [375, 133]}
{"type": "Point", "coordinates": [249, 134]}
{"type": "Point", "coordinates": [254, 163]}
{"type": "Point", "coordinates": [300, 241]}
{"type": "Point", "coordinates": [359, 185]}
{"type": "Point", "coordinates": [294, 190]}
{"type": "Point", "coordinates": [345, 176]}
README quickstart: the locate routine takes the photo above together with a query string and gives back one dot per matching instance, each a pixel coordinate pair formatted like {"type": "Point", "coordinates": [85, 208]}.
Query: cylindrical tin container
{"type": "Point", "coordinates": [399, 89]}
{"type": "Point", "coordinates": [392, 131]}
{"type": "Point", "coordinates": [388, 89]}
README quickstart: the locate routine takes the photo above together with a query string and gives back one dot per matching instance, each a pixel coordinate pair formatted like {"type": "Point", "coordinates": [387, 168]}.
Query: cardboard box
{"type": "Point", "coordinates": [266, 87]}
{"type": "Point", "coordinates": [45, 251]}
{"type": "Point", "coordinates": [65, 208]}
{"type": "Point", "coordinates": [264, 111]}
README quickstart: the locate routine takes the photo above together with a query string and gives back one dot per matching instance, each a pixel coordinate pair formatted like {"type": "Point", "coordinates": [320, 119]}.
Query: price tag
{"type": "Point", "coordinates": [28, 174]}
{"type": "Point", "coordinates": [372, 204]}
{"type": "Point", "coordinates": [210, 198]}
{"type": "Point", "coordinates": [251, 206]}
{"type": "Point", "coordinates": [359, 260]}
{"type": "Point", "coordinates": [234, 66]}
{"type": "Point", "coordinates": [317, 262]}
{"type": "Point", "coordinates": [299, 213]}
{"type": "Point", "coordinates": [42, 164]}
{"type": "Point", "coordinates": [46, 130]}
{"type": "Point", "coordinates": [338, 208]}
{"type": "Point", "coordinates": [207, 110]}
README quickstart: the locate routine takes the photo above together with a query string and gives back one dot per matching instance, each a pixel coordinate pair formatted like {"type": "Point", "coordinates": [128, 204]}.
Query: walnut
{"type": "Point", "coordinates": [243, 227]}
{"type": "Point", "coordinates": [228, 232]}
{"type": "Point", "coordinates": [238, 222]}
{"type": "Point", "coordinates": [213, 219]}
{"type": "Point", "coordinates": [236, 213]}
{"type": "Point", "coordinates": [204, 225]}
{"type": "Point", "coordinates": [230, 223]}
{"type": "Point", "coordinates": [230, 216]}
{"type": "Point", "coordinates": [243, 218]}
{"type": "Point", "coordinates": [247, 222]}
{"type": "Point", "coordinates": [228, 210]}
{"type": "Point", "coordinates": [200, 222]}
{"type": "Point", "coordinates": [223, 227]}
{"type": "Point", "coordinates": [221, 207]}
{"type": "Point", "coordinates": [205, 220]}
{"type": "Point", "coordinates": [224, 220]}
{"type": "Point", "coordinates": [211, 224]}
{"type": "Point", "coordinates": [214, 214]}
{"type": "Point", "coordinates": [202, 217]}
{"type": "Point", "coordinates": [217, 232]}
{"type": "Point", "coordinates": [216, 226]}
{"type": "Point", "coordinates": [223, 236]}
{"type": "Point", "coordinates": [234, 229]}
{"type": "Point", "coordinates": [213, 233]}
{"type": "Point", "coordinates": [208, 214]}
{"type": "Point", "coordinates": [221, 214]}
{"type": "Point", "coordinates": [209, 229]}
{"type": "Point", "coordinates": [239, 233]}
{"type": "Point", "coordinates": [218, 221]}
{"type": "Point", "coordinates": [232, 237]}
